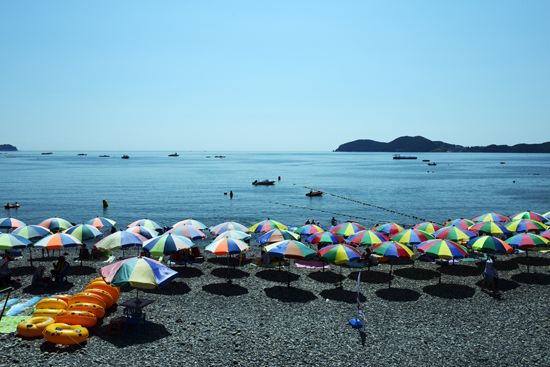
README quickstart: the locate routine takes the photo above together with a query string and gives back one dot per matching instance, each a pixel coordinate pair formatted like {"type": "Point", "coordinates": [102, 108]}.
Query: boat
{"type": "Point", "coordinates": [425, 160]}
{"type": "Point", "coordinates": [502, 162]}
{"type": "Point", "coordinates": [101, 156]}
{"type": "Point", "coordinates": [47, 153]}
{"type": "Point", "coordinates": [264, 182]}
{"type": "Point", "coordinates": [173, 155]}
{"type": "Point", "coordinates": [11, 206]}
{"type": "Point", "coordinates": [432, 164]}
{"type": "Point", "coordinates": [315, 193]}
{"type": "Point", "coordinates": [399, 156]}
{"type": "Point", "coordinates": [125, 156]}
{"type": "Point", "coordinates": [82, 154]}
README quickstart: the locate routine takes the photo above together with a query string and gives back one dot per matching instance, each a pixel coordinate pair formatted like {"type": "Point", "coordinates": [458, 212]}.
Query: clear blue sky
{"type": "Point", "coordinates": [271, 75]}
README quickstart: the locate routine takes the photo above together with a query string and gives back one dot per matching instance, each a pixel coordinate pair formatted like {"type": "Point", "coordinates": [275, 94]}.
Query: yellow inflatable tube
{"type": "Point", "coordinates": [64, 297]}
{"type": "Point", "coordinates": [33, 327]}
{"type": "Point", "coordinates": [115, 293]}
{"type": "Point", "coordinates": [85, 297]}
{"type": "Point", "coordinates": [106, 296]}
{"type": "Point", "coordinates": [97, 310]}
{"type": "Point", "coordinates": [48, 312]}
{"type": "Point", "coordinates": [84, 318]}
{"type": "Point", "coordinates": [52, 303]}
{"type": "Point", "coordinates": [60, 333]}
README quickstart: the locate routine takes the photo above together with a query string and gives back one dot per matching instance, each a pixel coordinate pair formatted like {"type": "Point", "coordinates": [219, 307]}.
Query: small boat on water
{"type": "Point", "coordinates": [425, 160]}
{"type": "Point", "coordinates": [11, 206]}
{"type": "Point", "coordinates": [399, 156]}
{"type": "Point", "coordinates": [125, 156]}
{"type": "Point", "coordinates": [82, 154]}
{"type": "Point", "coordinates": [432, 164]}
{"type": "Point", "coordinates": [47, 153]}
{"type": "Point", "coordinates": [173, 155]}
{"type": "Point", "coordinates": [103, 156]}
{"type": "Point", "coordinates": [264, 182]}
{"type": "Point", "coordinates": [314, 193]}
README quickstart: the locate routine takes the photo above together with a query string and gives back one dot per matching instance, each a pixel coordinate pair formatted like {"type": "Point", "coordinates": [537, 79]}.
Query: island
{"type": "Point", "coordinates": [7, 148]}
{"type": "Point", "coordinates": [421, 144]}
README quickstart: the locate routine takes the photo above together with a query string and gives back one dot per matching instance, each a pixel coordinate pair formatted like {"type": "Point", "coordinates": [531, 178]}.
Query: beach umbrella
{"type": "Point", "coordinates": [455, 234]}
{"type": "Point", "coordinates": [392, 250]}
{"type": "Point", "coordinates": [528, 241]}
{"type": "Point", "coordinates": [57, 241]}
{"type": "Point", "coordinates": [347, 229]}
{"type": "Point", "coordinates": [227, 246]}
{"type": "Point", "coordinates": [167, 244]}
{"type": "Point", "coordinates": [55, 224]}
{"type": "Point", "coordinates": [545, 234]}
{"type": "Point", "coordinates": [490, 228]}
{"type": "Point", "coordinates": [461, 223]}
{"type": "Point", "coordinates": [143, 231]}
{"type": "Point", "coordinates": [277, 235]}
{"type": "Point", "coordinates": [290, 249]}
{"type": "Point", "coordinates": [191, 222]}
{"type": "Point", "coordinates": [339, 254]}
{"type": "Point", "coordinates": [547, 215]}
{"type": "Point", "coordinates": [367, 237]}
{"type": "Point", "coordinates": [442, 249]}
{"type": "Point", "coordinates": [83, 232]}
{"type": "Point", "coordinates": [234, 226]}
{"type": "Point", "coordinates": [238, 235]}
{"type": "Point", "coordinates": [308, 230]}
{"type": "Point", "coordinates": [138, 272]}
{"type": "Point", "coordinates": [188, 231]}
{"type": "Point", "coordinates": [11, 223]}
{"type": "Point", "coordinates": [411, 237]}
{"type": "Point", "coordinates": [324, 238]}
{"type": "Point", "coordinates": [10, 241]}
{"type": "Point", "coordinates": [32, 232]}
{"type": "Point", "coordinates": [120, 239]}
{"type": "Point", "coordinates": [491, 217]}
{"type": "Point", "coordinates": [428, 227]}
{"type": "Point", "coordinates": [389, 229]}
{"type": "Point", "coordinates": [145, 223]}
{"type": "Point", "coordinates": [100, 222]}
{"type": "Point", "coordinates": [266, 226]}
{"type": "Point", "coordinates": [525, 225]}
{"type": "Point", "coordinates": [490, 244]}
{"type": "Point", "coordinates": [529, 215]}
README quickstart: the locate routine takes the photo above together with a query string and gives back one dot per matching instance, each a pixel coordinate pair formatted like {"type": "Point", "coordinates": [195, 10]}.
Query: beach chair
{"type": "Point", "coordinates": [134, 316]}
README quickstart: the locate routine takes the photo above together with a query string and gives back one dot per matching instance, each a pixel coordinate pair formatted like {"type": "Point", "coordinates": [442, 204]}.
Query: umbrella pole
{"type": "Point", "coordinates": [288, 273]}
{"type": "Point", "coordinates": [440, 274]}
{"type": "Point", "coordinates": [391, 269]}
{"type": "Point", "coordinates": [527, 255]}
{"type": "Point", "coordinates": [30, 253]}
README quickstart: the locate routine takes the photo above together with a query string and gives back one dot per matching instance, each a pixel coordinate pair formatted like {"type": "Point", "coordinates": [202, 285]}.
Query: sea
{"type": "Point", "coordinates": [370, 188]}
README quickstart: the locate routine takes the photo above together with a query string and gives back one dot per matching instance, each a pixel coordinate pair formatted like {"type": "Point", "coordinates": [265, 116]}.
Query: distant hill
{"type": "Point", "coordinates": [421, 144]}
{"type": "Point", "coordinates": [7, 148]}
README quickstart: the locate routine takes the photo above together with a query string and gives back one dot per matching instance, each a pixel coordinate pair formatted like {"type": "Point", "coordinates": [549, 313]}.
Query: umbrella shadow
{"type": "Point", "coordinates": [38, 291]}
{"type": "Point", "coordinates": [325, 277]}
{"type": "Point", "coordinates": [338, 294]}
{"type": "Point", "coordinates": [232, 273]}
{"type": "Point", "coordinates": [507, 265]}
{"type": "Point", "coordinates": [459, 270]}
{"type": "Point", "coordinates": [373, 277]}
{"type": "Point", "coordinates": [417, 273]}
{"type": "Point", "coordinates": [395, 262]}
{"type": "Point", "coordinates": [233, 261]}
{"type": "Point", "coordinates": [189, 272]}
{"type": "Point", "coordinates": [173, 287]}
{"type": "Point", "coordinates": [225, 289]}
{"type": "Point", "coordinates": [277, 276]}
{"type": "Point", "coordinates": [23, 270]}
{"type": "Point", "coordinates": [532, 278]}
{"type": "Point", "coordinates": [398, 294]}
{"type": "Point", "coordinates": [150, 333]}
{"type": "Point", "coordinates": [82, 270]}
{"type": "Point", "coordinates": [528, 260]}
{"type": "Point", "coordinates": [502, 285]}
{"type": "Point", "coordinates": [450, 291]}
{"type": "Point", "coordinates": [291, 295]}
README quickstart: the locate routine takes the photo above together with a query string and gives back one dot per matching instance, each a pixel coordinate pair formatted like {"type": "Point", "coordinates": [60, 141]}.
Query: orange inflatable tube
{"type": "Point", "coordinates": [85, 297]}
{"type": "Point", "coordinates": [103, 294]}
{"type": "Point", "coordinates": [84, 318]}
{"type": "Point", "coordinates": [113, 291]}
{"type": "Point", "coordinates": [49, 312]}
{"type": "Point", "coordinates": [64, 297]}
{"type": "Point", "coordinates": [97, 310]}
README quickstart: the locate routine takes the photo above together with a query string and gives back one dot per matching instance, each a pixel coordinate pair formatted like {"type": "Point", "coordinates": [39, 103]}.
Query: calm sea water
{"type": "Point", "coordinates": [169, 189]}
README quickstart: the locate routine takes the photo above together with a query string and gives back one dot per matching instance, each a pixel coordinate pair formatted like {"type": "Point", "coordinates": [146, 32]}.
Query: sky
{"type": "Point", "coordinates": [271, 75]}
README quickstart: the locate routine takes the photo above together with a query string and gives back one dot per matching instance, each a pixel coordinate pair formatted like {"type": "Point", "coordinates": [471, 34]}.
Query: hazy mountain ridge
{"type": "Point", "coordinates": [7, 148]}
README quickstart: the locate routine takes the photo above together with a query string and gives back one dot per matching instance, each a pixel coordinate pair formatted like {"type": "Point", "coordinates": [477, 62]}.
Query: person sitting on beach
{"type": "Point", "coordinates": [95, 253]}
{"type": "Point", "coordinates": [184, 255]}
{"type": "Point", "coordinates": [307, 221]}
{"type": "Point", "coordinates": [265, 258]}
{"type": "Point", "coordinates": [196, 252]}
{"type": "Point", "coordinates": [84, 253]}
{"type": "Point", "coordinates": [59, 268]}
{"type": "Point", "coordinates": [5, 272]}
{"type": "Point", "coordinates": [38, 277]}
{"type": "Point", "coordinates": [369, 258]}
{"type": "Point", "coordinates": [490, 275]}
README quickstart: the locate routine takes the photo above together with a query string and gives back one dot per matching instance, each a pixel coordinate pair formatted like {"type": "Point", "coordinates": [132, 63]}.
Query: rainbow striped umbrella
{"type": "Point", "coordinates": [55, 224]}
{"type": "Point", "coordinates": [188, 231]}
{"type": "Point", "coordinates": [191, 222]}
{"type": "Point", "coordinates": [454, 234]}
{"type": "Point", "coordinates": [491, 217]}
{"type": "Point", "coordinates": [412, 237]}
{"type": "Point", "coordinates": [11, 223]}
{"type": "Point", "coordinates": [100, 222]}
{"type": "Point", "coordinates": [290, 249]}
{"type": "Point", "coordinates": [339, 254]}
{"type": "Point", "coordinates": [238, 235]}
{"type": "Point", "coordinates": [167, 244]}
{"type": "Point", "coordinates": [461, 223]}
{"type": "Point", "coordinates": [143, 231]}
{"type": "Point", "coordinates": [31, 232]}
{"type": "Point", "coordinates": [547, 215]}
{"type": "Point", "coordinates": [234, 226]}
{"type": "Point", "coordinates": [389, 229]}
{"type": "Point", "coordinates": [490, 228]}
{"type": "Point", "coordinates": [227, 246]}
{"type": "Point", "coordinates": [529, 215]}
{"type": "Point", "coordinates": [525, 225]}
{"type": "Point", "coordinates": [83, 232]}
{"type": "Point", "coordinates": [490, 244]}
{"type": "Point", "coordinates": [145, 223]}
{"type": "Point", "coordinates": [140, 272]}
{"type": "Point", "coordinates": [308, 230]}
{"type": "Point", "coordinates": [443, 249]}
{"type": "Point", "coordinates": [324, 238]}
{"type": "Point", "coordinates": [429, 227]}
{"type": "Point", "coordinates": [277, 235]}
{"type": "Point", "coordinates": [545, 234]}
{"type": "Point", "coordinates": [266, 226]}
{"type": "Point", "coordinates": [347, 229]}
{"type": "Point", "coordinates": [528, 241]}
{"type": "Point", "coordinates": [10, 241]}
{"type": "Point", "coordinates": [366, 238]}
{"type": "Point", "coordinates": [393, 250]}
{"type": "Point", "coordinates": [57, 241]}
{"type": "Point", "coordinates": [120, 239]}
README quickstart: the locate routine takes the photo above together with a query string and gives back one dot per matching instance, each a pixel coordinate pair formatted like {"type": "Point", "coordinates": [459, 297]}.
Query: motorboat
{"type": "Point", "coordinates": [264, 182]}
{"type": "Point", "coordinates": [125, 156]}
{"type": "Point", "coordinates": [432, 164]}
{"type": "Point", "coordinates": [399, 156]}
{"type": "Point", "coordinates": [82, 154]}
{"type": "Point", "coordinates": [315, 193]}
{"type": "Point", "coordinates": [173, 155]}
{"type": "Point", "coordinates": [101, 156]}
{"type": "Point", "coordinates": [11, 206]}
{"type": "Point", "coordinates": [47, 153]}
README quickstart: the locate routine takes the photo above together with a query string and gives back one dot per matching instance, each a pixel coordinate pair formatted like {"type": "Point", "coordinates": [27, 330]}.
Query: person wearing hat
{"type": "Point", "coordinates": [5, 273]}
{"type": "Point", "coordinates": [490, 275]}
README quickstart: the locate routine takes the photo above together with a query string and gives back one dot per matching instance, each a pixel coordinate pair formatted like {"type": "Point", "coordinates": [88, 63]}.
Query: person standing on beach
{"type": "Point", "coordinates": [490, 275]}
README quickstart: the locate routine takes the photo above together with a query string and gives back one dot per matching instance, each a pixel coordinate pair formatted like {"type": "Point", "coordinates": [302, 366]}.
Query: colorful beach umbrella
{"type": "Point", "coordinates": [145, 223]}
{"type": "Point", "coordinates": [547, 215]}
{"type": "Point", "coordinates": [545, 234]}
{"type": "Point", "coordinates": [529, 215]}
{"type": "Point", "coordinates": [411, 237]}
{"type": "Point", "coordinates": [324, 238]}
{"type": "Point", "coordinates": [100, 222]}
{"type": "Point", "coordinates": [461, 223]}
{"type": "Point", "coordinates": [367, 238]}
{"type": "Point", "coordinates": [32, 232]}
{"type": "Point", "coordinates": [191, 222]}
{"type": "Point", "coordinates": [10, 241]}
{"type": "Point", "coordinates": [120, 239]}
{"type": "Point", "coordinates": [167, 244]}
{"type": "Point", "coordinates": [490, 244]}
{"type": "Point", "coordinates": [290, 249]}
{"type": "Point", "coordinates": [143, 231]}
{"type": "Point", "coordinates": [442, 249]}
{"type": "Point", "coordinates": [525, 225]}
{"type": "Point", "coordinates": [277, 235]}
{"type": "Point", "coordinates": [55, 224]}
{"type": "Point", "coordinates": [266, 226]}
{"type": "Point", "coordinates": [139, 272]}
{"type": "Point", "coordinates": [392, 250]}
{"type": "Point", "coordinates": [528, 241]}
{"type": "Point", "coordinates": [57, 241]}
{"type": "Point", "coordinates": [428, 227]}
{"type": "Point", "coordinates": [455, 234]}
{"type": "Point", "coordinates": [238, 235]}
{"type": "Point", "coordinates": [490, 228]}
{"type": "Point", "coordinates": [234, 226]}
{"type": "Point", "coordinates": [83, 232]}
{"type": "Point", "coordinates": [389, 229]}
{"type": "Point", "coordinates": [308, 230]}
{"type": "Point", "coordinates": [227, 246]}
{"type": "Point", "coordinates": [11, 223]}
{"type": "Point", "coordinates": [347, 229]}
{"type": "Point", "coordinates": [491, 217]}
{"type": "Point", "coordinates": [339, 254]}
{"type": "Point", "coordinates": [188, 231]}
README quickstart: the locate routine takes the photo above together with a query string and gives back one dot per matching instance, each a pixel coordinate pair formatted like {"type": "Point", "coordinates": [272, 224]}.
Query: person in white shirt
{"type": "Point", "coordinates": [490, 275]}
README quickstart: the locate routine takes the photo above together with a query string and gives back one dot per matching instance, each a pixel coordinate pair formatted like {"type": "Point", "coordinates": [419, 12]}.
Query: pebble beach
{"type": "Point", "coordinates": [202, 319]}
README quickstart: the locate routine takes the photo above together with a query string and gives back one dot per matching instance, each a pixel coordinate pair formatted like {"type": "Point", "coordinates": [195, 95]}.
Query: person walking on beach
{"type": "Point", "coordinates": [490, 275]}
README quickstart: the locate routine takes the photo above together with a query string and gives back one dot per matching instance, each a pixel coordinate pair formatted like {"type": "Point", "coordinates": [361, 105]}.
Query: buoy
{"type": "Point", "coordinates": [105, 203]}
